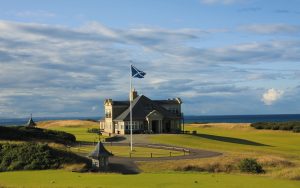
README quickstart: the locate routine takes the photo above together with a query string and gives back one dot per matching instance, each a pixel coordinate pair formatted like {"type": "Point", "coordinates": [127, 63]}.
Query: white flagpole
{"type": "Point", "coordinates": [130, 101]}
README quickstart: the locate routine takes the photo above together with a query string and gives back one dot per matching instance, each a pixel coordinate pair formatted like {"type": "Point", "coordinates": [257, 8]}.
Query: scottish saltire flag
{"type": "Point", "coordinates": [136, 73]}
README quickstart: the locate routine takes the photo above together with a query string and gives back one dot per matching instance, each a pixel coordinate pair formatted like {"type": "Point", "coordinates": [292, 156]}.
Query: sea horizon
{"type": "Point", "coordinates": [251, 118]}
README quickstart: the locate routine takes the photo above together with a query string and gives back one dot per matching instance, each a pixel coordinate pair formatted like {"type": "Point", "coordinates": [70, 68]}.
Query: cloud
{"type": "Point", "coordinates": [64, 71]}
{"type": "Point", "coordinates": [271, 28]}
{"type": "Point", "coordinates": [271, 96]}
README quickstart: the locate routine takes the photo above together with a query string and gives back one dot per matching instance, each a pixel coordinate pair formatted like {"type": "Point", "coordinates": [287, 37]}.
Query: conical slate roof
{"type": "Point", "coordinates": [99, 151]}
{"type": "Point", "coordinates": [31, 123]}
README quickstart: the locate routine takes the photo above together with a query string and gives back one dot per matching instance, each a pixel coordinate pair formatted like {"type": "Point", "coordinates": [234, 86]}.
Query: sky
{"type": "Point", "coordinates": [221, 57]}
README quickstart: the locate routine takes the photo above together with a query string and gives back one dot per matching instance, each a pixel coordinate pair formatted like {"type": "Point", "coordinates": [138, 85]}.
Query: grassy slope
{"type": "Point", "coordinates": [281, 143]}
{"type": "Point", "coordinates": [76, 127]}
{"type": "Point", "coordinates": [68, 179]}
{"type": "Point", "coordinates": [237, 139]}
{"type": "Point", "coordinates": [276, 149]}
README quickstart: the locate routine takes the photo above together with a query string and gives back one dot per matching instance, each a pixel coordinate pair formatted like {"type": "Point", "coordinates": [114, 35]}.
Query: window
{"type": "Point", "coordinates": [107, 113]}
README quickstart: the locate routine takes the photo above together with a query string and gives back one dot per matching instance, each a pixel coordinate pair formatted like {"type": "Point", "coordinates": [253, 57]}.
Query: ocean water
{"type": "Point", "coordinates": [243, 118]}
{"type": "Point", "coordinates": [23, 121]}
{"type": "Point", "coordinates": [187, 119]}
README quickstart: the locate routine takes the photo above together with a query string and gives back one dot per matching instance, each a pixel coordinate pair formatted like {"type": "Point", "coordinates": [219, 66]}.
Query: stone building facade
{"type": "Point", "coordinates": [148, 116]}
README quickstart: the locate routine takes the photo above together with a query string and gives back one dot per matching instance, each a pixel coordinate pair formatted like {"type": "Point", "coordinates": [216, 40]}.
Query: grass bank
{"type": "Point", "coordinates": [278, 151]}
{"type": "Point", "coordinates": [79, 128]}
{"type": "Point", "coordinates": [23, 133]}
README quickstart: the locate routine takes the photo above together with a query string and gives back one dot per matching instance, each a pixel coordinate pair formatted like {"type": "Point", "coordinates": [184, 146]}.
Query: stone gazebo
{"type": "Point", "coordinates": [100, 157]}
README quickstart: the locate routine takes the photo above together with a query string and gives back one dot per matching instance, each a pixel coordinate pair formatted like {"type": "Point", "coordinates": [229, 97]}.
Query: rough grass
{"type": "Point", "coordinates": [236, 138]}
{"type": "Point", "coordinates": [78, 128]}
{"type": "Point", "coordinates": [288, 173]}
{"type": "Point", "coordinates": [228, 163]}
{"type": "Point", "coordinates": [275, 150]}
{"type": "Point", "coordinates": [60, 178]}
{"type": "Point", "coordinates": [222, 125]}
{"type": "Point", "coordinates": [76, 167]}
{"type": "Point", "coordinates": [68, 123]}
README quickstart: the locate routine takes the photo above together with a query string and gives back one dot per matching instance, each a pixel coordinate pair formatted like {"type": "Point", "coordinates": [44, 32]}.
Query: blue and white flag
{"type": "Point", "coordinates": [136, 73]}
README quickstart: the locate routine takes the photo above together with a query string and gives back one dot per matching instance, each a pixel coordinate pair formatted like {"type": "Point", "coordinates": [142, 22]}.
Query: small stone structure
{"type": "Point", "coordinates": [100, 157]}
{"type": "Point", "coordinates": [30, 122]}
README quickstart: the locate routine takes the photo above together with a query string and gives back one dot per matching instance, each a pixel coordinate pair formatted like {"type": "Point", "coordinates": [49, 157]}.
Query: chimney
{"type": "Point", "coordinates": [133, 95]}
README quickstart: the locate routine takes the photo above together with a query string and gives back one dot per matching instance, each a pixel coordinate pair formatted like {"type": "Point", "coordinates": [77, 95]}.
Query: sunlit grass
{"type": "Point", "coordinates": [124, 151]}
{"type": "Point", "coordinates": [78, 128]}
{"type": "Point", "coordinates": [237, 139]}
{"type": "Point", "coordinates": [60, 178]}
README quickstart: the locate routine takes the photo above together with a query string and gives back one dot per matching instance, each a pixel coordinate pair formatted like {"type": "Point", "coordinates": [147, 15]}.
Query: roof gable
{"type": "Point", "coordinates": [99, 151]}
{"type": "Point", "coordinates": [141, 107]}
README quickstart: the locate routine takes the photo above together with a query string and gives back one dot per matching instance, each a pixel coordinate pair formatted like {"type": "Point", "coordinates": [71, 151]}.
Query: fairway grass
{"type": "Point", "coordinates": [240, 139]}
{"type": "Point", "coordinates": [52, 178]}
{"type": "Point", "coordinates": [277, 151]}
{"type": "Point", "coordinates": [78, 128]}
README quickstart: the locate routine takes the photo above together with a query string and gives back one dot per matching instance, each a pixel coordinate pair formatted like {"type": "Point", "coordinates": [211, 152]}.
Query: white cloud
{"type": "Point", "coordinates": [271, 28]}
{"type": "Point", "coordinates": [59, 70]}
{"type": "Point", "coordinates": [272, 95]}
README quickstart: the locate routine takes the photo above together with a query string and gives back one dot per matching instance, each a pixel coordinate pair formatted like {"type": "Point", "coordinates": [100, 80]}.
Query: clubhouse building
{"type": "Point", "coordinates": [148, 116]}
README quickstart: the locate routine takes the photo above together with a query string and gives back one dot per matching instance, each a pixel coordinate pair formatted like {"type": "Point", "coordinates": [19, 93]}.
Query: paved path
{"type": "Point", "coordinates": [189, 152]}
{"type": "Point", "coordinates": [127, 165]}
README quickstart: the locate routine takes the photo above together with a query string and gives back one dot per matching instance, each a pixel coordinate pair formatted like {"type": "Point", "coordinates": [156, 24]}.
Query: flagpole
{"type": "Point", "coordinates": [130, 101]}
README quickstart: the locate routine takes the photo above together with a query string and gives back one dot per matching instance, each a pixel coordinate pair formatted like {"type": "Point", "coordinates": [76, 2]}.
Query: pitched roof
{"type": "Point", "coordinates": [121, 103]}
{"type": "Point", "coordinates": [99, 151]}
{"type": "Point", "coordinates": [141, 107]}
{"type": "Point", "coordinates": [170, 101]}
{"type": "Point", "coordinates": [31, 123]}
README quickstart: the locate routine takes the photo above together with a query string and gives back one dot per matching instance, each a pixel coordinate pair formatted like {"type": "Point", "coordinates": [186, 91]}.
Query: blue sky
{"type": "Point", "coordinates": [63, 58]}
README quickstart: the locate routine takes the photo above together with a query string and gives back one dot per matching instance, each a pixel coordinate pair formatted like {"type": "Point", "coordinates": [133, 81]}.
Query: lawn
{"type": "Point", "coordinates": [124, 151]}
{"type": "Point", "coordinates": [80, 133]}
{"type": "Point", "coordinates": [237, 139]}
{"type": "Point", "coordinates": [78, 128]}
{"type": "Point", "coordinates": [52, 178]}
{"type": "Point", "coordinates": [278, 151]}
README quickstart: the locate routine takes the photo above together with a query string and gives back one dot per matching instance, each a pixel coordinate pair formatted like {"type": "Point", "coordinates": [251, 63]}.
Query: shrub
{"type": "Point", "coordinates": [191, 168]}
{"type": "Point", "coordinates": [250, 165]}
{"type": "Point", "coordinates": [94, 130]}
{"type": "Point", "coordinates": [296, 129]}
{"type": "Point", "coordinates": [290, 125]}
{"type": "Point", "coordinates": [33, 156]}
{"type": "Point", "coordinates": [33, 133]}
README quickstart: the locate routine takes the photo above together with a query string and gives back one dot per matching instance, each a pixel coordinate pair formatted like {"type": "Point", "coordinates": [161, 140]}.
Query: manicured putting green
{"type": "Point", "coordinates": [124, 151]}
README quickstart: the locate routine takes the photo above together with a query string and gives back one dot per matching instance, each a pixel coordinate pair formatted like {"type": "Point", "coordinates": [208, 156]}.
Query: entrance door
{"type": "Point", "coordinates": [168, 126]}
{"type": "Point", "coordinates": [155, 126]}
